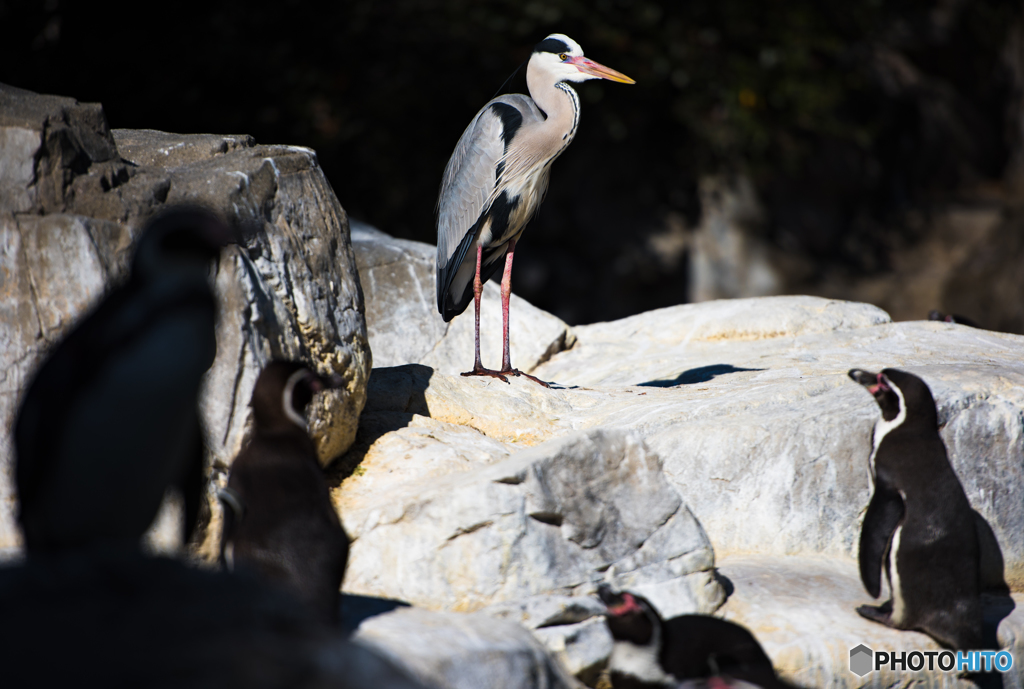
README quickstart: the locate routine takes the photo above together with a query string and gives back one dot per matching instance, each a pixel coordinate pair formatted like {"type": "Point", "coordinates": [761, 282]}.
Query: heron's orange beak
{"type": "Point", "coordinates": [588, 66]}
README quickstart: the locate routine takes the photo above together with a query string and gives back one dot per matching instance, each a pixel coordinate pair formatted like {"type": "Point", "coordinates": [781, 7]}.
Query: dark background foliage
{"type": "Point", "coordinates": [849, 117]}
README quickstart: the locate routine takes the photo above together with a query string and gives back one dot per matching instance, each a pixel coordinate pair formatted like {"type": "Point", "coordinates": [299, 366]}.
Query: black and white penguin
{"type": "Point", "coordinates": [696, 650]}
{"type": "Point", "coordinates": [279, 522]}
{"type": "Point", "coordinates": [919, 527]}
{"type": "Point", "coordinates": [109, 421]}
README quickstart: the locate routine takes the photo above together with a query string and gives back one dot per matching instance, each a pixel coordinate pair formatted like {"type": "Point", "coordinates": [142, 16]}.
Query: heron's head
{"type": "Point", "coordinates": [562, 57]}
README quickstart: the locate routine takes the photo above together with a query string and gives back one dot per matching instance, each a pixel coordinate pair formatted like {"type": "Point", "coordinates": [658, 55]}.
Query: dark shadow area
{"type": "Point", "coordinates": [995, 608]}
{"type": "Point", "coordinates": [725, 582]}
{"type": "Point", "coordinates": [122, 618]}
{"type": "Point", "coordinates": [995, 597]}
{"type": "Point", "coordinates": [393, 396]}
{"type": "Point", "coordinates": [993, 578]}
{"type": "Point", "coordinates": [856, 120]}
{"type": "Point", "coordinates": [356, 608]}
{"type": "Point", "coordinates": [697, 375]}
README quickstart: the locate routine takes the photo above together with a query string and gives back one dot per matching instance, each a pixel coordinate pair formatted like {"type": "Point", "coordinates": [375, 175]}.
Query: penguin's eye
{"type": "Point", "coordinates": [563, 57]}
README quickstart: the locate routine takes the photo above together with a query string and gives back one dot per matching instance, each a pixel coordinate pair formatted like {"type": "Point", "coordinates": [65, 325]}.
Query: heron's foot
{"type": "Point", "coordinates": [517, 372]}
{"type": "Point", "coordinates": [481, 371]}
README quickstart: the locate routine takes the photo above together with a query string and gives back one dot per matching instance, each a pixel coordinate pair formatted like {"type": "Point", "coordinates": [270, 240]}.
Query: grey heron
{"type": "Point", "coordinates": [497, 178]}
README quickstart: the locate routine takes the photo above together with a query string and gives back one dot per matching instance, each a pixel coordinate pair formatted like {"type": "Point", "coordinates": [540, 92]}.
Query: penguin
{"type": "Point", "coordinates": [936, 315]}
{"type": "Point", "coordinates": [696, 650]}
{"type": "Point", "coordinates": [919, 527]}
{"type": "Point", "coordinates": [279, 523]}
{"type": "Point", "coordinates": [109, 420]}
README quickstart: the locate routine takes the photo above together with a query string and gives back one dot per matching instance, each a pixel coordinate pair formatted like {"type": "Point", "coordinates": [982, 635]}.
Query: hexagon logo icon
{"type": "Point", "coordinates": [860, 660]}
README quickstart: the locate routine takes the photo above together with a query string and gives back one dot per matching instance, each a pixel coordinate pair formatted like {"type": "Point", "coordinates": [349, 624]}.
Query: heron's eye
{"type": "Point", "coordinates": [563, 57]}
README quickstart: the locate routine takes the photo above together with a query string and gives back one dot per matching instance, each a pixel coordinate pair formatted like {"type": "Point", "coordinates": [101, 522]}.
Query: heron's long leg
{"type": "Point", "coordinates": [506, 292]}
{"type": "Point", "coordinates": [478, 288]}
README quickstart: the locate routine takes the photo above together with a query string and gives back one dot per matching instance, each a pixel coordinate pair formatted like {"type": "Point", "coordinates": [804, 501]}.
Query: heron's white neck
{"type": "Point", "coordinates": [559, 102]}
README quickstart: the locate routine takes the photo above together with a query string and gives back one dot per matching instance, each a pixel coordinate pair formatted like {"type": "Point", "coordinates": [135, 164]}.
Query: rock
{"type": "Point", "coordinates": [572, 628]}
{"type": "Point", "coordinates": [460, 651]}
{"type": "Point", "coordinates": [984, 285]}
{"type": "Point", "coordinates": [48, 144]}
{"type": "Point", "coordinates": [583, 648]}
{"type": "Point", "coordinates": [71, 208]}
{"type": "Point", "coordinates": [802, 611]}
{"type": "Point", "coordinates": [748, 404]}
{"type": "Point", "coordinates": [167, 623]}
{"type": "Point", "coordinates": [563, 515]}
{"type": "Point", "coordinates": [536, 612]}
{"type": "Point", "coordinates": [51, 272]}
{"type": "Point", "coordinates": [405, 327]}
{"type": "Point", "coordinates": [749, 407]}
{"type": "Point", "coordinates": [727, 258]}
{"type": "Point", "coordinates": [152, 148]}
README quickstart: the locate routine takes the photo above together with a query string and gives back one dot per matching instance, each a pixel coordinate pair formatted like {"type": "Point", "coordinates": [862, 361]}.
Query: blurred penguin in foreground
{"type": "Point", "coordinates": [110, 420]}
{"type": "Point", "coordinates": [109, 423]}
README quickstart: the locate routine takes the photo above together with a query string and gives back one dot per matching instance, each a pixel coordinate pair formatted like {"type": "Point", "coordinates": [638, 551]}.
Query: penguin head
{"type": "Point", "coordinates": [630, 617]}
{"type": "Point", "coordinates": [282, 392]}
{"type": "Point", "coordinates": [181, 242]}
{"type": "Point", "coordinates": [898, 392]}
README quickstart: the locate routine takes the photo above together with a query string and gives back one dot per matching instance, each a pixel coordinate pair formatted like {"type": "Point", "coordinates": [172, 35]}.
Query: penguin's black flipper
{"type": "Point", "coordinates": [883, 516]}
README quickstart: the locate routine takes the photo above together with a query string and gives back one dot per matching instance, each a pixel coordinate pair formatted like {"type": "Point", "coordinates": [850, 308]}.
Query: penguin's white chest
{"type": "Point", "coordinates": [895, 584]}
{"type": "Point", "coordinates": [639, 662]}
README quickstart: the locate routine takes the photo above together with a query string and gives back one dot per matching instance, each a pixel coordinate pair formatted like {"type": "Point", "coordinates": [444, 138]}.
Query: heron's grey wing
{"type": "Point", "coordinates": [466, 189]}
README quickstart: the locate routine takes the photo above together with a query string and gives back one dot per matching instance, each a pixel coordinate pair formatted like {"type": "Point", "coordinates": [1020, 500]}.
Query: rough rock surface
{"type": "Point", "coordinates": [800, 609]}
{"type": "Point", "coordinates": [572, 628]}
{"type": "Point", "coordinates": [749, 407]}
{"type": "Point", "coordinates": [747, 404]}
{"type": "Point", "coordinates": [558, 517]}
{"type": "Point", "coordinates": [460, 651]}
{"type": "Point", "coordinates": [404, 326]}
{"type": "Point", "coordinates": [766, 438]}
{"type": "Point", "coordinates": [75, 195]}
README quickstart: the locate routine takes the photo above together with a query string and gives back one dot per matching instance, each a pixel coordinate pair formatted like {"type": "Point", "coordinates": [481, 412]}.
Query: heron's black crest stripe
{"type": "Point", "coordinates": [551, 45]}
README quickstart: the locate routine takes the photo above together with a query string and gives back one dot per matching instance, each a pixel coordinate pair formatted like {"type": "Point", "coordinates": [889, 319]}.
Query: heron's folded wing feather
{"type": "Point", "coordinates": [467, 185]}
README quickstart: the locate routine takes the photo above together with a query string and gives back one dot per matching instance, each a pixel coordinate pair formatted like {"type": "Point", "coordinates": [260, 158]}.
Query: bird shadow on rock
{"type": "Point", "coordinates": [996, 600]}
{"type": "Point", "coordinates": [355, 609]}
{"type": "Point", "coordinates": [701, 374]}
{"type": "Point", "coordinates": [725, 582]}
{"type": "Point", "coordinates": [394, 395]}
